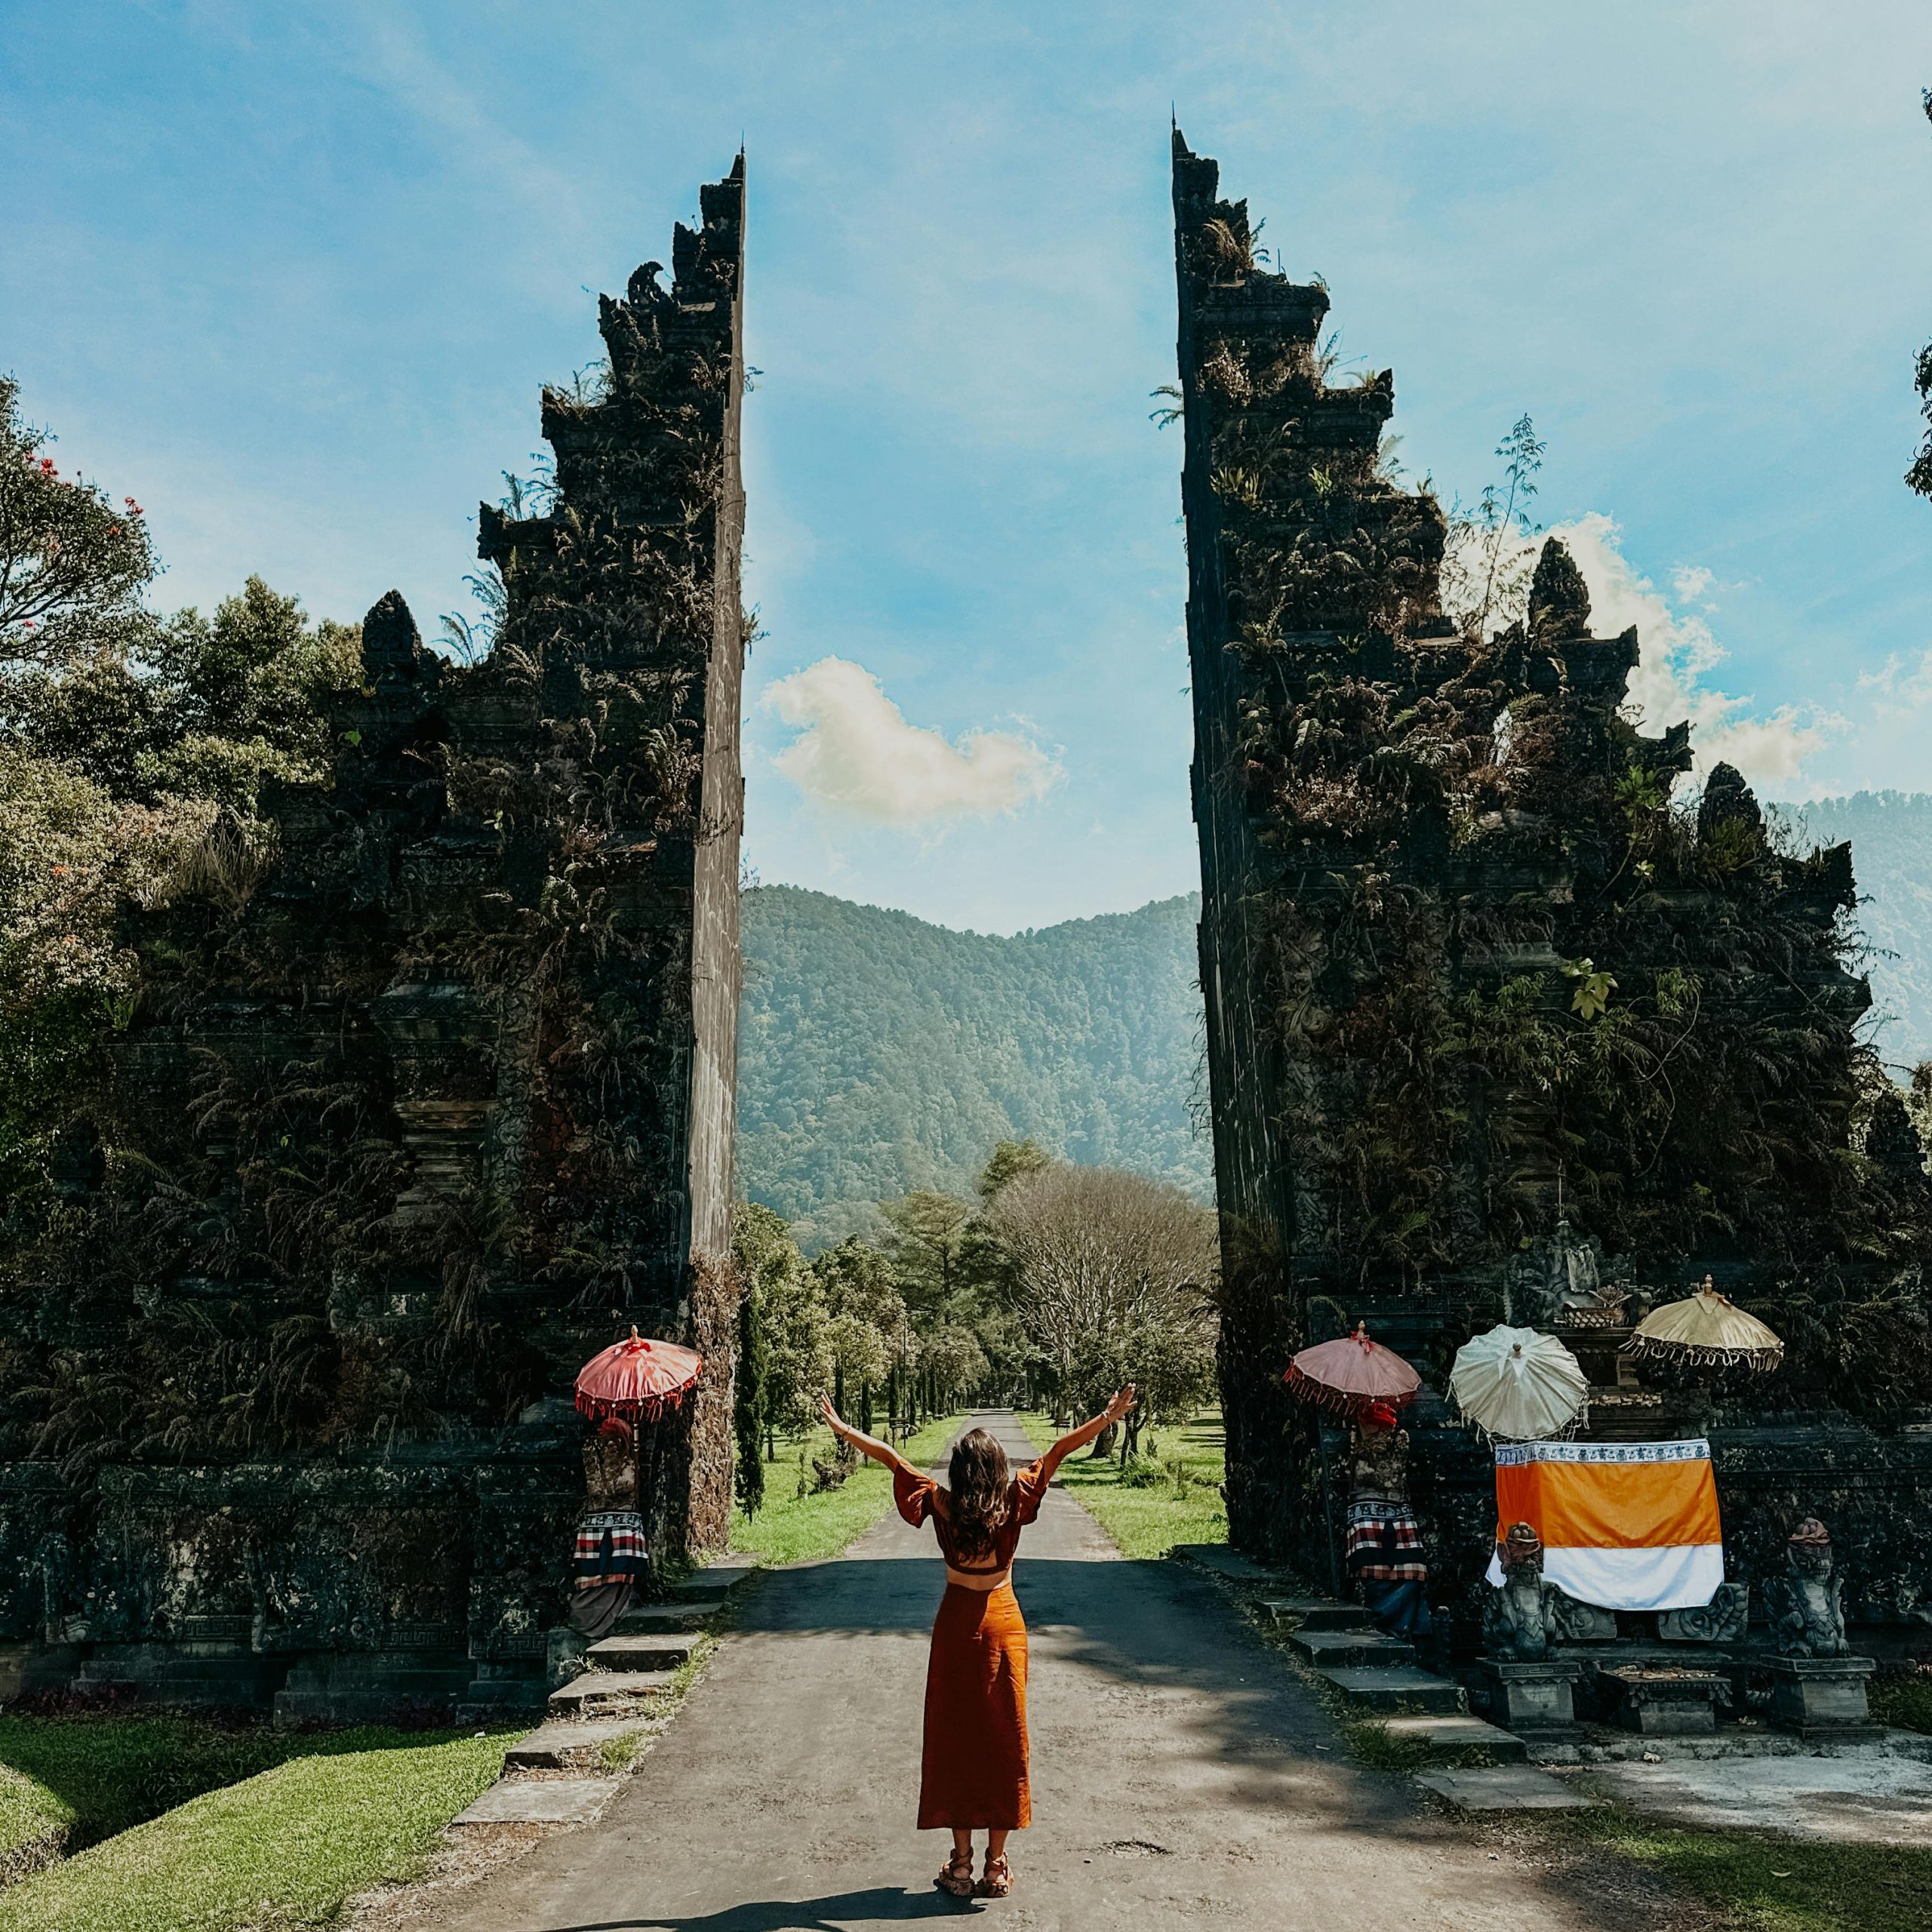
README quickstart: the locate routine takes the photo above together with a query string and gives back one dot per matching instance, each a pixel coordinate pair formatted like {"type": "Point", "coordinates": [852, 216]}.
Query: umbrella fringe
{"type": "Point", "coordinates": [1574, 1426]}
{"type": "Point", "coordinates": [631, 1408]}
{"type": "Point", "coordinates": [1653, 1348]}
{"type": "Point", "coordinates": [1341, 1401]}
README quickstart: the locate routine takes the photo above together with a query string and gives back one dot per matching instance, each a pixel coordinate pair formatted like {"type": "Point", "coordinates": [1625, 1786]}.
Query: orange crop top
{"type": "Point", "coordinates": [921, 1499]}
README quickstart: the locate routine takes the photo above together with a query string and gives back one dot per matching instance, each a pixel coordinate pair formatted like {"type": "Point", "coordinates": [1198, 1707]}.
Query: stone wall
{"type": "Point", "coordinates": [415, 1114]}
{"type": "Point", "coordinates": [1481, 992]}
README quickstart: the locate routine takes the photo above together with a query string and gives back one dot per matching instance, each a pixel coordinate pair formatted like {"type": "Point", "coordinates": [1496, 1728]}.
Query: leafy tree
{"type": "Point", "coordinates": [929, 1234]}
{"type": "Point", "coordinates": [955, 1363]}
{"type": "Point", "coordinates": [795, 1327]}
{"type": "Point", "coordinates": [72, 565]}
{"type": "Point", "coordinates": [1114, 1270]}
{"type": "Point", "coordinates": [1008, 1161]}
{"type": "Point", "coordinates": [1171, 1363]}
{"type": "Point", "coordinates": [191, 707]}
{"type": "Point", "coordinates": [69, 855]}
{"type": "Point", "coordinates": [873, 1340]}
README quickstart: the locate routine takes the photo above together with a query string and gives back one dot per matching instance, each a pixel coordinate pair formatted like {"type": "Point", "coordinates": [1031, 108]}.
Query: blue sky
{"type": "Point", "coordinates": [292, 275]}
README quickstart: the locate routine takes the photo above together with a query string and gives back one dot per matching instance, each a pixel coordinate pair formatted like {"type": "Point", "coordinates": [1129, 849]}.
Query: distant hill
{"type": "Point", "coordinates": [1891, 856]}
{"type": "Point", "coordinates": [878, 1053]}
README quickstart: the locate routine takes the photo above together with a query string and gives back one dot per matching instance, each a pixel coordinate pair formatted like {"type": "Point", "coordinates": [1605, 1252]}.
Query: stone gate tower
{"type": "Point", "coordinates": [1489, 1012]}
{"type": "Point", "coordinates": [416, 1113]}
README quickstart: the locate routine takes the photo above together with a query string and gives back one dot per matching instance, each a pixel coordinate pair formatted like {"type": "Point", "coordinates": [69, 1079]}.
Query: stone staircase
{"type": "Point", "coordinates": [1377, 1675]}
{"type": "Point", "coordinates": [587, 1721]}
{"type": "Point", "coordinates": [648, 1650]}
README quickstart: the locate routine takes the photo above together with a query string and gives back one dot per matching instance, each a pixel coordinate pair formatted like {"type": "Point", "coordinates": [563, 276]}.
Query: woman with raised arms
{"type": "Point", "coordinates": [973, 1773]}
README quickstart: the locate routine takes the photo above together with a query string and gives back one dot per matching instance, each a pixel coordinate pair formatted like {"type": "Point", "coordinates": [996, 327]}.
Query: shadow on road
{"type": "Point", "coordinates": [882, 1904]}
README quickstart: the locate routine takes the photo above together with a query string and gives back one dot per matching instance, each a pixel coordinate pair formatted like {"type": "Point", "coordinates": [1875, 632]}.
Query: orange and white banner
{"type": "Point", "coordinates": [1624, 1525]}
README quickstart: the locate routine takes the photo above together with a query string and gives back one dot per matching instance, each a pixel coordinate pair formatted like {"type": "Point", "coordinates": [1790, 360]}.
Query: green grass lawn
{"type": "Point", "coordinates": [796, 1529]}
{"type": "Point", "coordinates": [35, 1824]}
{"type": "Point", "coordinates": [284, 1847]}
{"type": "Point", "coordinates": [1147, 1517]}
{"type": "Point", "coordinates": [1760, 1882]}
{"type": "Point", "coordinates": [84, 1778]}
{"type": "Point", "coordinates": [1904, 1701]}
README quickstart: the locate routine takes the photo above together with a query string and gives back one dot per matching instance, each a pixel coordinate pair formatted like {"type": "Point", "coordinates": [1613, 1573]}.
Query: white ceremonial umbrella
{"type": "Point", "coordinates": [1514, 1382]}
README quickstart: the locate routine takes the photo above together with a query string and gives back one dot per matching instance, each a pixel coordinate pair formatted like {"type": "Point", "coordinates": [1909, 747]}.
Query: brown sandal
{"type": "Point", "coordinates": [998, 1880]}
{"type": "Point", "coordinates": [957, 1875]}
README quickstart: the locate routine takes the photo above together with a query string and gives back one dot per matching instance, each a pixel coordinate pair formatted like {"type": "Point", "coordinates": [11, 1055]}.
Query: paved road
{"type": "Point", "coordinates": [1181, 1777]}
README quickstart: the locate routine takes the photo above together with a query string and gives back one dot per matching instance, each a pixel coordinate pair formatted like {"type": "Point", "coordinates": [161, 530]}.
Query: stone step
{"type": "Point", "coordinates": [1316, 1614]}
{"type": "Point", "coordinates": [691, 1615]}
{"type": "Point", "coordinates": [1355, 1647]}
{"type": "Point", "coordinates": [1224, 1562]}
{"type": "Point", "coordinates": [1452, 1737]}
{"type": "Point", "coordinates": [1395, 1687]}
{"type": "Point", "coordinates": [541, 1801]}
{"type": "Point", "coordinates": [651, 1651]}
{"type": "Point", "coordinates": [716, 1579]}
{"type": "Point", "coordinates": [1510, 1788]}
{"type": "Point", "coordinates": [557, 1746]}
{"type": "Point", "coordinates": [601, 1693]}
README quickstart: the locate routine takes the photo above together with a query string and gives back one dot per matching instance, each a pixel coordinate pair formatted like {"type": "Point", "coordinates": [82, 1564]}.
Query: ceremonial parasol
{"type": "Point", "coordinates": [638, 1380]}
{"type": "Point", "coordinates": [1707, 1330]}
{"type": "Point", "coordinates": [1514, 1382]}
{"type": "Point", "coordinates": [1350, 1373]}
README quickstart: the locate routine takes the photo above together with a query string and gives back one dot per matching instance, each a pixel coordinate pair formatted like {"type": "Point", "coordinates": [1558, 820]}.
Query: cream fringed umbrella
{"type": "Point", "coordinates": [1707, 1331]}
{"type": "Point", "coordinates": [1516, 1383]}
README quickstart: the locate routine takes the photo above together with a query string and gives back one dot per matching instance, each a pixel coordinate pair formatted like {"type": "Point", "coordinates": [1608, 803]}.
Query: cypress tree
{"type": "Point", "coordinates": [748, 1415]}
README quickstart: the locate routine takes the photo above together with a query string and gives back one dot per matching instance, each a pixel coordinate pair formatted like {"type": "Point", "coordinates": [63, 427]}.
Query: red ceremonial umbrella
{"type": "Point", "coordinates": [1351, 1374]}
{"type": "Point", "coordinates": [638, 1380]}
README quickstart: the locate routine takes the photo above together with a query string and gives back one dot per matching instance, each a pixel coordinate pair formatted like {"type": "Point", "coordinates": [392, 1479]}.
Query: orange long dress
{"type": "Point", "coordinates": [972, 1771]}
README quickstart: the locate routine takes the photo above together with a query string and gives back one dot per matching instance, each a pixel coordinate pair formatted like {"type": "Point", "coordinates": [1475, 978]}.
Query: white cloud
{"type": "Point", "coordinates": [1901, 689]}
{"type": "Point", "coordinates": [856, 752]}
{"type": "Point", "coordinates": [1679, 651]}
{"type": "Point", "coordinates": [1692, 583]}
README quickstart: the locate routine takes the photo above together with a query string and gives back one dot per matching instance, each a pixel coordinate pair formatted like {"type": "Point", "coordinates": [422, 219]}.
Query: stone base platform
{"type": "Point", "coordinates": [1821, 1697]}
{"type": "Point", "coordinates": [1660, 1701]}
{"type": "Point", "coordinates": [1532, 1698]}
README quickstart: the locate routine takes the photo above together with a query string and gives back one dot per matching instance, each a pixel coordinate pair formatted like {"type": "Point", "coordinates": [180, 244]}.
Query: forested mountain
{"type": "Point", "coordinates": [878, 1053]}
{"type": "Point", "coordinates": [1891, 856]}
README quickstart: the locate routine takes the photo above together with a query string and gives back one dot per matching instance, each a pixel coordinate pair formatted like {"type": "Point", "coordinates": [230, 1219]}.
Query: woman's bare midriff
{"type": "Point", "coordinates": [978, 1580]}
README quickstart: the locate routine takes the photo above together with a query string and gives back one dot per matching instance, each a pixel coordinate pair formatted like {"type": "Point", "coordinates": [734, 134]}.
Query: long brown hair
{"type": "Point", "coordinates": [978, 1478]}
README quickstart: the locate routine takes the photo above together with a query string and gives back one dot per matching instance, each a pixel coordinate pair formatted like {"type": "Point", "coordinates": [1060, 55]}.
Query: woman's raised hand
{"type": "Point", "coordinates": [1123, 1400]}
{"type": "Point", "coordinates": [834, 1420]}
